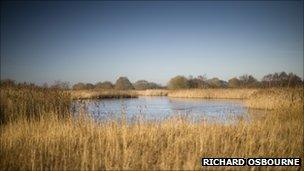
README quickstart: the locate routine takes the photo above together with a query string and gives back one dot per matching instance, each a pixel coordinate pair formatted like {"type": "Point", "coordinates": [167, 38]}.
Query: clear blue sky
{"type": "Point", "coordinates": [98, 41]}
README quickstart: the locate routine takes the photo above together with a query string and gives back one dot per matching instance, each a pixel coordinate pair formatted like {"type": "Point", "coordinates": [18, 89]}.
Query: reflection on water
{"type": "Point", "coordinates": [160, 108]}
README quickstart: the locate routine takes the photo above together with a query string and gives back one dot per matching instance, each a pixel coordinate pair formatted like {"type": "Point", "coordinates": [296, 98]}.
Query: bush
{"type": "Point", "coordinates": [143, 85]}
{"type": "Point", "coordinates": [89, 86]}
{"type": "Point", "coordinates": [62, 85]}
{"type": "Point", "coordinates": [216, 83]}
{"type": "Point", "coordinates": [234, 83]}
{"type": "Point", "coordinates": [123, 83]}
{"type": "Point", "coordinates": [199, 82]}
{"type": "Point", "coordinates": [79, 86]}
{"type": "Point", "coordinates": [178, 82]}
{"type": "Point", "coordinates": [83, 86]}
{"type": "Point", "coordinates": [248, 81]}
{"type": "Point", "coordinates": [281, 80]}
{"type": "Point", "coordinates": [7, 83]}
{"type": "Point", "coordinates": [104, 85]}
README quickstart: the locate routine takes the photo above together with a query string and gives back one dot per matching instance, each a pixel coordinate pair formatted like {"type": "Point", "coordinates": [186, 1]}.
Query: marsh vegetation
{"type": "Point", "coordinates": [39, 132]}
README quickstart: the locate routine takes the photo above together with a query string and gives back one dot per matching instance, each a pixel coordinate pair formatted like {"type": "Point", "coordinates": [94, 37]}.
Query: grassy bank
{"type": "Point", "coordinates": [153, 92]}
{"type": "Point", "coordinates": [100, 94]}
{"type": "Point", "coordinates": [188, 93]}
{"type": "Point", "coordinates": [213, 93]}
{"type": "Point", "coordinates": [94, 94]}
{"type": "Point", "coordinates": [276, 99]}
{"type": "Point", "coordinates": [271, 99]}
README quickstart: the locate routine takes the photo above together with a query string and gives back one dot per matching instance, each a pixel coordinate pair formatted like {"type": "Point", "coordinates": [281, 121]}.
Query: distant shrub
{"type": "Point", "coordinates": [89, 86]}
{"type": "Point", "coordinates": [7, 83]}
{"type": "Point", "coordinates": [62, 85]}
{"type": "Point", "coordinates": [83, 86]}
{"type": "Point", "coordinates": [104, 85]}
{"type": "Point", "coordinates": [234, 83]}
{"type": "Point", "coordinates": [282, 80]}
{"type": "Point", "coordinates": [199, 82]}
{"type": "Point", "coordinates": [123, 83]}
{"type": "Point", "coordinates": [216, 83]}
{"type": "Point", "coordinates": [294, 80]}
{"type": "Point", "coordinates": [154, 86]}
{"type": "Point", "coordinates": [143, 85]}
{"type": "Point", "coordinates": [248, 81]}
{"type": "Point", "coordinates": [79, 86]}
{"type": "Point", "coordinates": [178, 82]}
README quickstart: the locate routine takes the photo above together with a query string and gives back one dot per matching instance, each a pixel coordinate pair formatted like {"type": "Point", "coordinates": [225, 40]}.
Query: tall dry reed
{"type": "Point", "coordinates": [31, 102]}
{"type": "Point", "coordinates": [96, 94]}
{"type": "Point", "coordinates": [152, 92]}
{"type": "Point", "coordinates": [277, 98]}
{"type": "Point", "coordinates": [176, 144]}
{"type": "Point", "coordinates": [82, 144]}
{"type": "Point", "coordinates": [213, 93]}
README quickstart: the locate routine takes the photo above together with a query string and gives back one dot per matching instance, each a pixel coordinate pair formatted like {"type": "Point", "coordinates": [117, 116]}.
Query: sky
{"type": "Point", "coordinates": [98, 41]}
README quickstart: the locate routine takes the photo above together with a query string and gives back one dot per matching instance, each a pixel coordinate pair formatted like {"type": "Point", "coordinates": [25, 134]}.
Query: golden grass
{"type": "Point", "coordinates": [254, 98]}
{"type": "Point", "coordinates": [56, 144]}
{"type": "Point", "coordinates": [276, 98]}
{"type": "Point", "coordinates": [188, 93]}
{"type": "Point", "coordinates": [152, 92]}
{"type": "Point", "coordinates": [213, 93]}
{"type": "Point", "coordinates": [95, 94]}
{"type": "Point", "coordinates": [32, 102]}
{"type": "Point", "coordinates": [50, 142]}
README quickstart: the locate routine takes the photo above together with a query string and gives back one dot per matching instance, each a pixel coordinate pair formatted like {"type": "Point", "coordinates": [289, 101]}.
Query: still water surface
{"type": "Point", "coordinates": [160, 108]}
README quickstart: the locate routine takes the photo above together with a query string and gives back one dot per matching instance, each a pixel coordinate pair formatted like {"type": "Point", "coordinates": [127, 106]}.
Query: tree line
{"type": "Point", "coordinates": [122, 83]}
{"type": "Point", "coordinates": [281, 79]}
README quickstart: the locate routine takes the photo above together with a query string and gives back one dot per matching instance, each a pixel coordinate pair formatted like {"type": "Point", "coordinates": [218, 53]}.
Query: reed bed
{"type": "Point", "coordinates": [32, 102]}
{"type": "Point", "coordinates": [213, 93]}
{"type": "Point", "coordinates": [175, 144]}
{"type": "Point", "coordinates": [96, 94]}
{"type": "Point", "coordinates": [269, 99]}
{"type": "Point", "coordinates": [276, 98]}
{"type": "Point", "coordinates": [153, 92]}
{"type": "Point", "coordinates": [79, 143]}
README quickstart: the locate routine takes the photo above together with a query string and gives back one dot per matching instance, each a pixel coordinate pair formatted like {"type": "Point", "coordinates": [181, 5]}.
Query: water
{"type": "Point", "coordinates": [160, 108]}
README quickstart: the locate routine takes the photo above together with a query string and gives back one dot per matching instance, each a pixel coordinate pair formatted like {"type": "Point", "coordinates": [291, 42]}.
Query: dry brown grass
{"type": "Point", "coordinates": [153, 92]}
{"type": "Point", "coordinates": [32, 102]}
{"type": "Point", "coordinates": [213, 93]}
{"type": "Point", "coordinates": [95, 94]}
{"type": "Point", "coordinates": [276, 98]}
{"type": "Point", "coordinates": [51, 142]}
{"type": "Point", "coordinates": [188, 93]}
{"type": "Point", "coordinates": [173, 144]}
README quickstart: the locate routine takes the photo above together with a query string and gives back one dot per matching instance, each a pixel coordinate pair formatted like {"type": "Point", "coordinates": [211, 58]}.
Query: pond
{"type": "Point", "coordinates": [161, 107]}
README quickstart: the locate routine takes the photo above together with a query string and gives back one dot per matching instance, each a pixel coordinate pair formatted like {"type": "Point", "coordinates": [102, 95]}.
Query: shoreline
{"type": "Point", "coordinates": [183, 93]}
{"type": "Point", "coordinates": [269, 99]}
